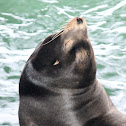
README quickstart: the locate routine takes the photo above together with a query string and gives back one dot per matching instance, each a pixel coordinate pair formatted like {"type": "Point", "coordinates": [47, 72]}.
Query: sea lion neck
{"type": "Point", "coordinates": [75, 91]}
{"type": "Point", "coordinates": [80, 57]}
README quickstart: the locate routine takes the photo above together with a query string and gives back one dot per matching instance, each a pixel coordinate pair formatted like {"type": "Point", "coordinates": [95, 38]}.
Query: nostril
{"type": "Point", "coordinates": [79, 20]}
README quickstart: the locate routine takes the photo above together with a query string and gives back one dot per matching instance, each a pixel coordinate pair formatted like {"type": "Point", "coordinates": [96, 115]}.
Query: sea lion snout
{"type": "Point", "coordinates": [79, 20]}
{"type": "Point", "coordinates": [74, 32]}
{"type": "Point", "coordinates": [75, 35]}
{"type": "Point", "coordinates": [76, 24]}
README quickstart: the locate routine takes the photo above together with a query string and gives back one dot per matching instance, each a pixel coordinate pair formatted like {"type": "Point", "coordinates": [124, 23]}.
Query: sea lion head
{"type": "Point", "coordinates": [67, 58]}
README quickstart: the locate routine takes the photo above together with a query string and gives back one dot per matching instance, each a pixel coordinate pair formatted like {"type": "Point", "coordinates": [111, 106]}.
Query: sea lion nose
{"type": "Point", "coordinates": [79, 20]}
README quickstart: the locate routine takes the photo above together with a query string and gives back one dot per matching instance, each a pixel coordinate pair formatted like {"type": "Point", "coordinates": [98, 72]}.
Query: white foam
{"type": "Point", "coordinates": [112, 9]}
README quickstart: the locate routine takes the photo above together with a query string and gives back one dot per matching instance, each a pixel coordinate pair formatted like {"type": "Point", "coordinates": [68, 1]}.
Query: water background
{"type": "Point", "coordinates": [25, 23]}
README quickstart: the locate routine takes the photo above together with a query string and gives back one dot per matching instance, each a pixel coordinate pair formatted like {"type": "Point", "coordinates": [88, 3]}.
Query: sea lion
{"type": "Point", "coordinates": [58, 86]}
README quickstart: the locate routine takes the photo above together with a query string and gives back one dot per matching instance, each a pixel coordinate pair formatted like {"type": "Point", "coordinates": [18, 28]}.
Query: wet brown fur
{"type": "Point", "coordinates": [58, 86]}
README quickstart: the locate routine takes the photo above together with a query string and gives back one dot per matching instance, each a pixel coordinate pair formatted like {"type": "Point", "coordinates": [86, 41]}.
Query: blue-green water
{"type": "Point", "coordinates": [25, 23]}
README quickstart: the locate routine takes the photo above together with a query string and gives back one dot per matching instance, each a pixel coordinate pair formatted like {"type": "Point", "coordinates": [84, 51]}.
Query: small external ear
{"type": "Point", "coordinates": [56, 63]}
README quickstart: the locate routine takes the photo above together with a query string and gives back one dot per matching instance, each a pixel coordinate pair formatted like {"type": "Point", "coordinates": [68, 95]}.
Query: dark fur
{"type": "Point", "coordinates": [64, 94]}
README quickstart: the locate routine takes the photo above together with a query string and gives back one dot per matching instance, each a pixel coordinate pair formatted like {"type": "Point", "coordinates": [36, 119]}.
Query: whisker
{"type": "Point", "coordinates": [61, 28]}
{"type": "Point", "coordinates": [64, 24]}
{"type": "Point", "coordinates": [67, 20]}
{"type": "Point", "coordinates": [59, 33]}
{"type": "Point", "coordinates": [54, 37]}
